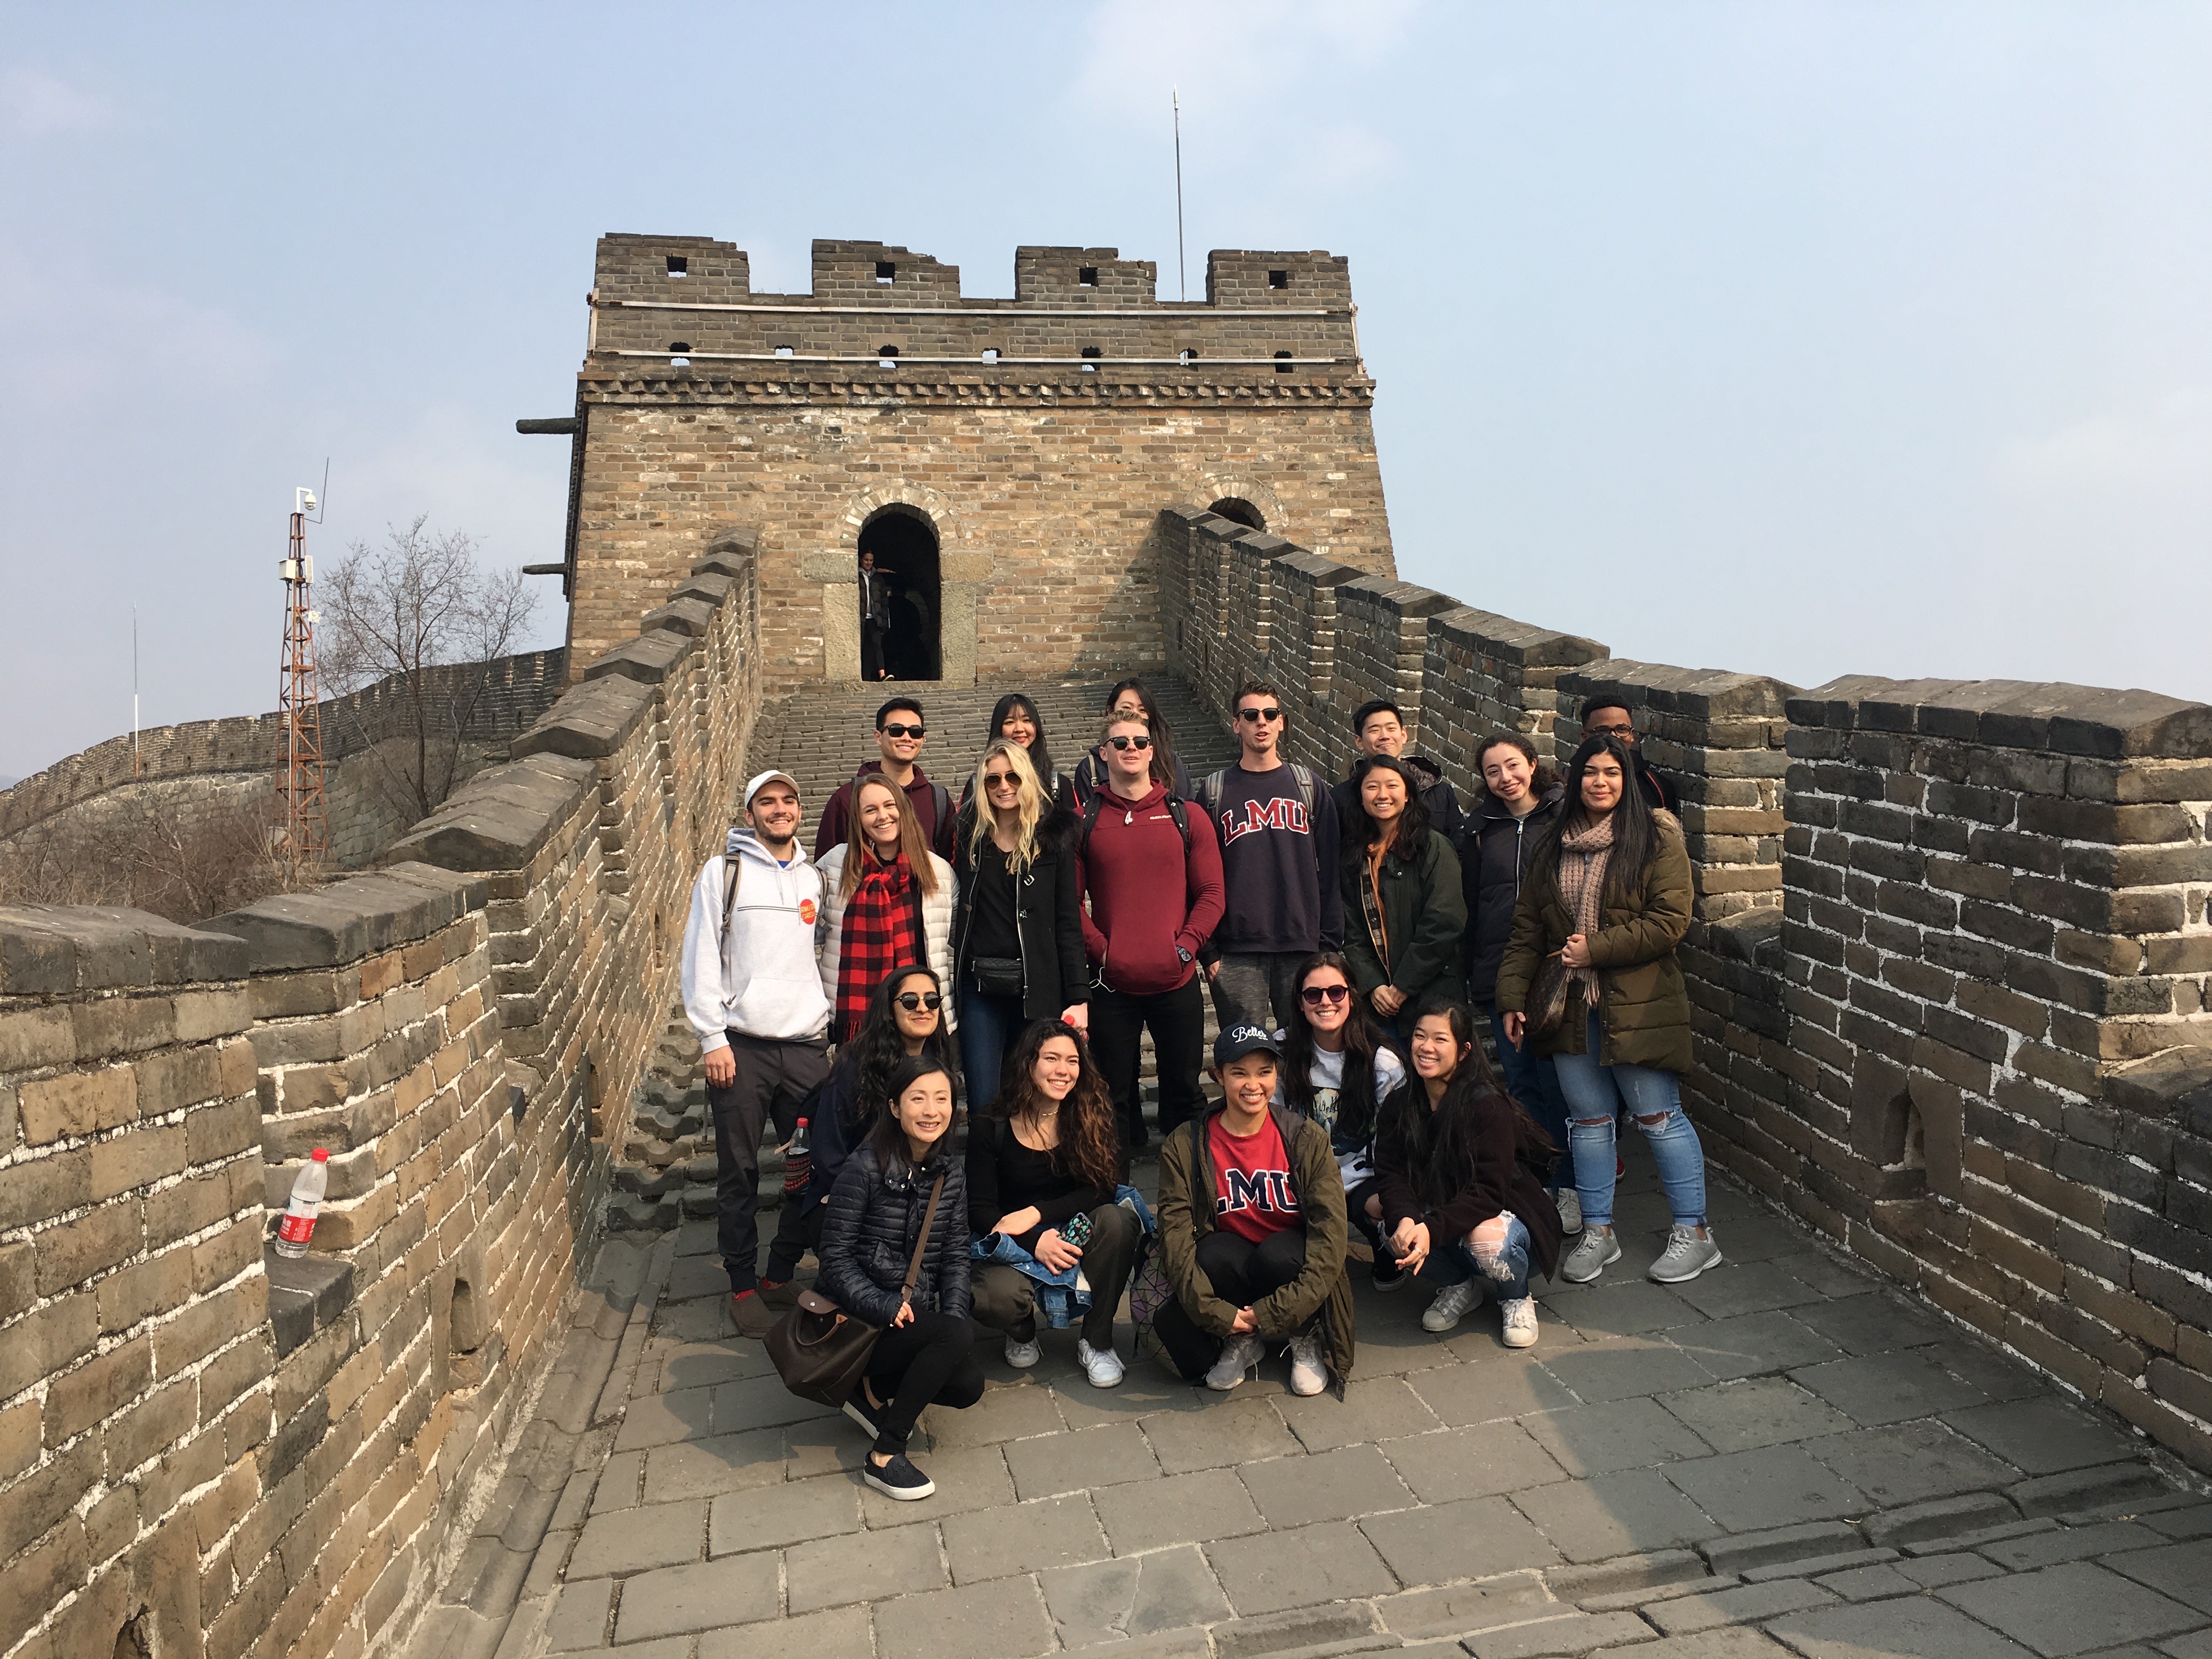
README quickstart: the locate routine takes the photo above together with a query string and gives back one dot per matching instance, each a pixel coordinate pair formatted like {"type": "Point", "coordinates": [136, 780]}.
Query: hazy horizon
{"type": "Point", "coordinates": [1796, 339]}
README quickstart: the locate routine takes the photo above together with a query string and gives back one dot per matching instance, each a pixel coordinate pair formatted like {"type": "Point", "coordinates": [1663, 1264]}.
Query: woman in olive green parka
{"type": "Point", "coordinates": [1607, 894]}
{"type": "Point", "coordinates": [1405, 918]}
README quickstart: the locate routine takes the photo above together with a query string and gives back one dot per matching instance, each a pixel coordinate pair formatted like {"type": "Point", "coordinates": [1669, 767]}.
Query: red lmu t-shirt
{"type": "Point", "coordinates": [1251, 1193]}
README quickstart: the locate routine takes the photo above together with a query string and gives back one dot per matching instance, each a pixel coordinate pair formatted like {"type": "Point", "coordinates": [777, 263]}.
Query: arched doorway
{"type": "Point", "coordinates": [904, 544]}
{"type": "Point", "coordinates": [1241, 511]}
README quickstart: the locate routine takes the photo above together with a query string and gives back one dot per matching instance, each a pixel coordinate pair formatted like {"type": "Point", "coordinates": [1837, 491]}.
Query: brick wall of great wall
{"type": "Point", "coordinates": [226, 1453]}
{"type": "Point", "coordinates": [201, 766]}
{"type": "Point", "coordinates": [1951, 969]}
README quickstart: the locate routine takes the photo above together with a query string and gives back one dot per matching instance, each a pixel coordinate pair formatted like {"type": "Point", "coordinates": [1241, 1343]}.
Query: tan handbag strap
{"type": "Point", "coordinates": [928, 1222]}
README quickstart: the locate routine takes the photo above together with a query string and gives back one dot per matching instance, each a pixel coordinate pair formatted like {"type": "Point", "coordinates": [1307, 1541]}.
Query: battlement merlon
{"type": "Point", "coordinates": [1267, 314]}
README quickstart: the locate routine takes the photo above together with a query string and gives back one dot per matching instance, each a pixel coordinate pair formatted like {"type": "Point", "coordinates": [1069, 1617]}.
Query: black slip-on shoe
{"type": "Point", "coordinates": [898, 1479]}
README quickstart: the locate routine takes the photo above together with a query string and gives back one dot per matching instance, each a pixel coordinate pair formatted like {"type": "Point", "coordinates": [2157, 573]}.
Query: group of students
{"type": "Point", "coordinates": [1351, 938]}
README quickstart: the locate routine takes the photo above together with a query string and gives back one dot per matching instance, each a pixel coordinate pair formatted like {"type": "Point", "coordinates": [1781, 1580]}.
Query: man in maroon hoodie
{"type": "Point", "coordinates": [899, 737]}
{"type": "Point", "coordinates": [1152, 871]}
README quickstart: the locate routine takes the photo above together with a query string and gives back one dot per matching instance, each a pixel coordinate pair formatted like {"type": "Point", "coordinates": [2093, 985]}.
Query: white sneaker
{"type": "Point", "coordinates": [1102, 1366]}
{"type": "Point", "coordinates": [1570, 1212]}
{"type": "Point", "coordinates": [1686, 1256]}
{"type": "Point", "coordinates": [1520, 1321]}
{"type": "Point", "coordinates": [1022, 1355]}
{"type": "Point", "coordinates": [1451, 1305]}
{"type": "Point", "coordinates": [1309, 1371]}
{"type": "Point", "coordinates": [1238, 1355]}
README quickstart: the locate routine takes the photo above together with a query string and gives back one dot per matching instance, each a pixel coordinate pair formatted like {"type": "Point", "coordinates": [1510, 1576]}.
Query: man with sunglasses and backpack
{"type": "Point", "coordinates": [1282, 894]}
{"type": "Point", "coordinates": [900, 734]}
{"type": "Point", "coordinates": [753, 994]}
{"type": "Point", "coordinates": [1152, 872]}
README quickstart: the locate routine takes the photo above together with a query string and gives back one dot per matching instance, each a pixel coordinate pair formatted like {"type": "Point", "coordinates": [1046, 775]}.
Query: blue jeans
{"type": "Point", "coordinates": [1595, 1094]}
{"type": "Point", "coordinates": [988, 1028]}
{"type": "Point", "coordinates": [1451, 1262]}
{"type": "Point", "coordinates": [1532, 1079]}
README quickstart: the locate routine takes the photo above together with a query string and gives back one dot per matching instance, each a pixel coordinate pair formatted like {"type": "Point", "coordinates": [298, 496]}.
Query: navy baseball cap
{"type": "Point", "coordinates": [1238, 1041]}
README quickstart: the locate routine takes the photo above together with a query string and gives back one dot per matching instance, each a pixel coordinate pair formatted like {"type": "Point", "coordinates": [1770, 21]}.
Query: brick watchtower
{"type": "Point", "coordinates": [1003, 459]}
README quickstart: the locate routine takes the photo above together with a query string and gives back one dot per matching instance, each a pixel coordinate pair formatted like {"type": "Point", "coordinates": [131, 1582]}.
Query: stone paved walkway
{"type": "Point", "coordinates": [1780, 1458]}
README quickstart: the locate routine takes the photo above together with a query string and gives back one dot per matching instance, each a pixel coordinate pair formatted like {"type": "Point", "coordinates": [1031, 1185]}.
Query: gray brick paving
{"type": "Point", "coordinates": [1785, 1458]}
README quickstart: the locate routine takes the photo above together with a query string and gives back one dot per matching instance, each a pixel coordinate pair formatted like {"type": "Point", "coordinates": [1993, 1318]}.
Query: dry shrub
{"type": "Point", "coordinates": [181, 859]}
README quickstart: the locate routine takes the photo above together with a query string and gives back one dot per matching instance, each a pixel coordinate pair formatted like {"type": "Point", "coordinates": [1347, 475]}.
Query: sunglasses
{"type": "Point", "coordinates": [911, 1000]}
{"type": "Point", "coordinates": [1259, 714]}
{"type": "Point", "coordinates": [1314, 996]}
{"type": "Point", "coordinates": [1130, 743]}
{"type": "Point", "coordinates": [1000, 779]}
{"type": "Point", "coordinates": [895, 730]}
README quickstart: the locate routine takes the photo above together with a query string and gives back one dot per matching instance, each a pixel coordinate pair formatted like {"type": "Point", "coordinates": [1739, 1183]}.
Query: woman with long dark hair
{"type": "Point", "coordinates": [877, 1213]}
{"type": "Point", "coordinates": [1049, 1151]}
{"type": "Point", "coordinates": [1607, 894]}
{"type": "Point", "coordinates": [1458, 1165]}
{"type": "Point", "coordinates": [1017, 924]}
{"type": "Point", "coordinates": [1520, 800]}
{"type": "Point", "coordinates": [1015, 718]}
{"type": "Point", "coordinates": [1134, 696]}
{"type": "Point", "coordinates": [886, 898]}
{"type": "Point", "coordinates": [1339, 1064]}
{"type": "Point", "coordinates": [1402, 910]}
{"type": "Point", "coordinates": [906, 1017]}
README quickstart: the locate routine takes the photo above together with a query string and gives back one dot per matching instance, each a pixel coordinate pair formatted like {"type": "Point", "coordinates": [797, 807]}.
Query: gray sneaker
{"type": "Point", "coordinates": [1451, 1305]}
{"type": "Point", "coordinates": [1686, 1256]}
{"type": "Point", "coordinates": [1238, 1355]}
{"type": "Point", "coordinates": [1594, 1252]}
{"type": "Point", "coordinates": [1570, 1211]}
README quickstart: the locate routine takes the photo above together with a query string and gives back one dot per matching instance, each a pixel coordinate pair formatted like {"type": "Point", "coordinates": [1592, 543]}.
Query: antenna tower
{"type": "Point", "coordinates": [303, 831]}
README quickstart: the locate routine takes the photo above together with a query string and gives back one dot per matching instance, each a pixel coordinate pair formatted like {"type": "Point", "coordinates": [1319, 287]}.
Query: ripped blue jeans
{"type": "Point", "coordinates": [1505, 1275]}
{"type": "Point", "coordinates": [1654, 1098]}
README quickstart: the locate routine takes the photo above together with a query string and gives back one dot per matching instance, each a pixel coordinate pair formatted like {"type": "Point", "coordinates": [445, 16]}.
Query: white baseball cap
{"type": "Point", "coordinates": [762, 782]}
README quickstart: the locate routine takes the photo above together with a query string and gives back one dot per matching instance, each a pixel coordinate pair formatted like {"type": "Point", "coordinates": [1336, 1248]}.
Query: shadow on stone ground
{"type": "Point", "coordinates": [1783, 1456]}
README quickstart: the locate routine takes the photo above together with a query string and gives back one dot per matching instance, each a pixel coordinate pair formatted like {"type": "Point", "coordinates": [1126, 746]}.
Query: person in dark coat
{"type": "Point", "coordinates": [1403, 912]}
{"type": "Point", "coordinates": [1520, 800]}
{"type": "Point", "coordinates": [1017, 920]}
{"type": "Point", "coordinates": [1456, 1162]}
{"type": "Point", "coordinates": [876, 1213]}
{"type": "Point", "coordinates": [1608, 894]}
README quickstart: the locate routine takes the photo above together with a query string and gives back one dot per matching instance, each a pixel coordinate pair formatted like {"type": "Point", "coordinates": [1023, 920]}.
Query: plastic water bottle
{"type": "Point", "coordinates": [308, 1190]}
{"type": "Point", "coordinates": [798, 1162]}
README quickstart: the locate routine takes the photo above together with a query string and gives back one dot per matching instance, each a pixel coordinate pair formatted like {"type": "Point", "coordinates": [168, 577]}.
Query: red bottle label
{"type": "Point", "coordinates": [296, 1228]}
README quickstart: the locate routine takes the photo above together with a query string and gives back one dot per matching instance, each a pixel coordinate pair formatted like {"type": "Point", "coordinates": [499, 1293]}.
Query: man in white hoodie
{"type": "Point", "coordinates": [753, 994]}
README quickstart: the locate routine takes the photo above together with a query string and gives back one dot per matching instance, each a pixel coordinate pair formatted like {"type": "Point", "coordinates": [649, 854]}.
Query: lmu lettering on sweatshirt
{"type": "Point", "coordinates": [1282, 812]}
{"type": "Point", "coordinates": [1262, 1189]}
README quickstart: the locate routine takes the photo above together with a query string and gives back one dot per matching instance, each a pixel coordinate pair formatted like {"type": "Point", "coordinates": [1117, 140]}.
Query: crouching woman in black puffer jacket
{"type": "Point", "coordinates": [874, 1215]}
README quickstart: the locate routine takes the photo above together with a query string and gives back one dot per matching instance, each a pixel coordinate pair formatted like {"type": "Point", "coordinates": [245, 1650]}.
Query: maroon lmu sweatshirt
{"type": "Point", "coordinates": [1139, 913]}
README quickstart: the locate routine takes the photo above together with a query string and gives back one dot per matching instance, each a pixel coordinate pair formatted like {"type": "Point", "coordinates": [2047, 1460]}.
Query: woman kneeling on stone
{"type": "Point", "coordinates": [1460, 1170]}
{"type": "Point", "coordinates": [1044, 1165]}
{"type": "Point", "coordinates": [876, 1212]}
{"type": "Point", "coordinates": [1252, 1232]}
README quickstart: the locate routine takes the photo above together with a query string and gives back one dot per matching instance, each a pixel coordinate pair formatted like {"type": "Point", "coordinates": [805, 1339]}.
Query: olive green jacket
{"type": "Point", "coordinates": [1644, 1019]}
{"type": "Point", "coordinates": [1422, 912]}
{"type": "Point", "coordinates": [1186, 1215]}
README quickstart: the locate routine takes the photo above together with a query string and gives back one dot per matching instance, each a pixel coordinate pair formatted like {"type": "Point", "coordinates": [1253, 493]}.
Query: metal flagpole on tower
{"type": "Point", "coordinates": [134, 768]}
{"type": "Point", "coordinates": [300, 778]}
{"type": "Point", "coordinates": [1182, 280]}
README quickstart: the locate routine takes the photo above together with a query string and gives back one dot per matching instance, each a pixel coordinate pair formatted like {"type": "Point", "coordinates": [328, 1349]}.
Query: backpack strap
{"type": "Point", "coordinates": [1209, 794]}
{"type": "Point", "coordinates": [941, 799]}
{"type": "Point", "coordinates": [921, 1243]}
{"type": "Point", "coordinates": [731, 869]}
{"type": "Point", "coordinates": [1304, 779]}
{"type": "Point", "coordinates": [1092, 808]}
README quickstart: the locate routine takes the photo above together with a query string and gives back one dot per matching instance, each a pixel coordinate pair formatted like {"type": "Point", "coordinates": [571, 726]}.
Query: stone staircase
{"type": "Point", "coordinates": [666, 1172]}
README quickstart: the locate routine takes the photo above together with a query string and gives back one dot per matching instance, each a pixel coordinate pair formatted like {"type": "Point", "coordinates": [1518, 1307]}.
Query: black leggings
{"type": "Point", "coordinates": [927, 1362]}
{"type": "Point", "coordinates": [1239, 1272]}
{"type": "Point", "coordinates": [1355, 1205]}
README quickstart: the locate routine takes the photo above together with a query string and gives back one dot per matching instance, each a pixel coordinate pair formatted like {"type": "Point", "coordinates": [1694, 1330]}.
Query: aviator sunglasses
{"type": "Point", "coordinates": [911, 1000]}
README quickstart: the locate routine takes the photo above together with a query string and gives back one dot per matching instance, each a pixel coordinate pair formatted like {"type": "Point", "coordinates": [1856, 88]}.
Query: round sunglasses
{"type": "Point", "coordinates": [1314, 996]}
{"type": "Point", "coordinates": [911, 1000]}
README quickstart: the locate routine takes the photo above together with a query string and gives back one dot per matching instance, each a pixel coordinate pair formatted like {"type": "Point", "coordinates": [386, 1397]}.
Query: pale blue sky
{"type": "Point", "coordinates": [1806, 339]}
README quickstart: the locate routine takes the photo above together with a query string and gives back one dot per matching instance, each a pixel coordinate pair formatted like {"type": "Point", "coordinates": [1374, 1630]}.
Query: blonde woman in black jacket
{"type": "Point", "coordinates": [875, 1214]}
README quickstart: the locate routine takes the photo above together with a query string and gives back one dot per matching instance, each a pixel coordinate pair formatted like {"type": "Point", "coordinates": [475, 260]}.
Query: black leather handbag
{"type": "Point", "coordinates": [819, 1350]}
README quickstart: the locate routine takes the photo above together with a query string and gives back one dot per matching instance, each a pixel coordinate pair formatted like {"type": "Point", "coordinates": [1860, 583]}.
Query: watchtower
{"type": "Point", "coordinates": [1004, 460]}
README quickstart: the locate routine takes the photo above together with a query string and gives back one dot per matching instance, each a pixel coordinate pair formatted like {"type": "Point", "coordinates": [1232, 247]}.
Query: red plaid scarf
{"type": "Point", "coordinates": [881, 928]}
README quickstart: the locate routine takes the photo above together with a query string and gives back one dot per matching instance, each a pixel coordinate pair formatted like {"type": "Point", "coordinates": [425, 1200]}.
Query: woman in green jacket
{"type": "Point", "coordinates": [1607, 894]}
{"type": "Point", "coordinates": [1404, 917]}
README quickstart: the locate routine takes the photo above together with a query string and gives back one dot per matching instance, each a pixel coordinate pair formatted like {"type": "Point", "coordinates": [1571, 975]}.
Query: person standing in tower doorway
{"type": "Point", "coordinates": [1379, 728]}
{"type": "Point", "coordinates": [754, 995]}
{"type": "Point", "coordinates": [900, 734]}
{"type": "Point", "coordinates": [875, 618]}
{"type": "Point", "coordinates": [1282, 897]}
{"type": "Point", "coordinates": [1152, 869]}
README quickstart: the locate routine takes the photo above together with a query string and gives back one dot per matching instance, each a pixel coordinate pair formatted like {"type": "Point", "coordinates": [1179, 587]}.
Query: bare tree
{"type": "Point", "coordinates": [158, 851]}
{"type": "Point", "coordinates": [421, 616]}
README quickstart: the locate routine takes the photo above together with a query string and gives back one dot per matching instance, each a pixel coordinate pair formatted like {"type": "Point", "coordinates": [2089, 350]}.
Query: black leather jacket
{"type": "Point", "coordinates": [868, 1230]}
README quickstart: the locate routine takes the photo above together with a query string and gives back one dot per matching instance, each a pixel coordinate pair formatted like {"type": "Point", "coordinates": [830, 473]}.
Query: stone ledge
{"type": "Point", "coordinates": [649, 659]}
{"type": "Point", "coordinates": [2073, 720]}
{"type": "Point", "coordinates": [358, 917]}
{"type": "Point", "coordinates": [306, 1294]}
{"type": "Point", "coordinates": [54, 950]}
{"type": "Point", "coordinates": [1319, 569]}
{"type": "Point", "coordinates": [593, 721]}
{"type": "Point", "coordinates": [1520, 642]}
{"type": "Point", "coordinates": [689, 616]}
{"type": "Point", "coordinates": [500, 818]}
{"type": "Point", "coordinates": [2156, 1087]}
{"type": "Point", "coordinates": [1702, 692]}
